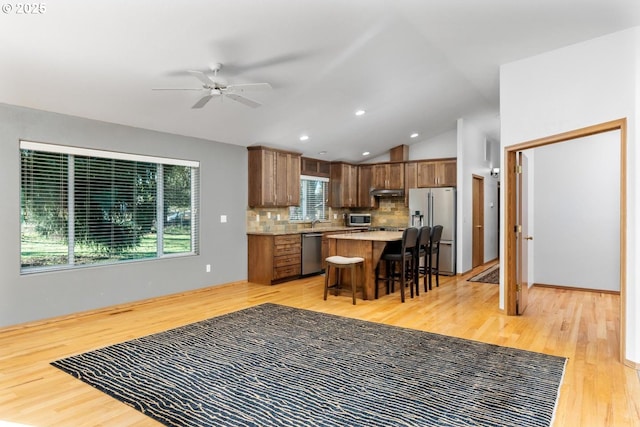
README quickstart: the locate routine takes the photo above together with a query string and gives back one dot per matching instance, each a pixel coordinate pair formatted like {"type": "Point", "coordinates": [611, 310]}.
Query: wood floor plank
{"type": "Point", "coordinates": [583, 326]}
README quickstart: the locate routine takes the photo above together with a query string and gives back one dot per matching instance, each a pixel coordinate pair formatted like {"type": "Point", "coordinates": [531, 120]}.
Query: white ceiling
{"type": "Point", "coordinates": [413, 65]}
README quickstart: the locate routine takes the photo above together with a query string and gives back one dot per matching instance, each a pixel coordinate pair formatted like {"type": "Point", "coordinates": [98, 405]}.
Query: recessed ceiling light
{"type": "Point", "coordinates": [304, 137]}
{"type": "Point", "coordinates": [366, 153]}
{"type": "Point", "coordinates": [360, 113]}
{"type": "Point", "coordinates": [322, 153]}
{"type": "Point", "coordinates": [414, 135]}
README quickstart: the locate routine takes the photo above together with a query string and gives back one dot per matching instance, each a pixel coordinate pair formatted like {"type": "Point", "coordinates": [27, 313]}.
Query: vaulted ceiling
{"type": "Point", "coordinates": [414, 66]}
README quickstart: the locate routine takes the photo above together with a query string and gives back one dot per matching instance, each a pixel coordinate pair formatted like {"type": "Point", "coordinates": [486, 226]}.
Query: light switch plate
{"type": "Point", "coordinates": [223, 218]}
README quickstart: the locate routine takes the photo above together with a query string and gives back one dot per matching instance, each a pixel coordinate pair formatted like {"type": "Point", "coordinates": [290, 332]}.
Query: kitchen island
{"type": "Point", "coordinates": [368, 245]}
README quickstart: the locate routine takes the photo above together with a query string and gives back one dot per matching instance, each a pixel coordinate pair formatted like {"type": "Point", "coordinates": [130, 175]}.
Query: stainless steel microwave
{"type": "Point", "coordinates": [359, 220]}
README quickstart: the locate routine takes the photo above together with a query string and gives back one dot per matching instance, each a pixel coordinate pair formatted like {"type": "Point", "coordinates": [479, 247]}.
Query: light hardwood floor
{"type": "Point", "coordinates": [584, 326]}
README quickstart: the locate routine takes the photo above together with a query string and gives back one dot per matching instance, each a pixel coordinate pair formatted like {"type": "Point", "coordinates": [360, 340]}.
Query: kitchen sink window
{"type": "Point", "coordinates": [83, 207]}
{"type": "Point", "coordinates": [313, 199]}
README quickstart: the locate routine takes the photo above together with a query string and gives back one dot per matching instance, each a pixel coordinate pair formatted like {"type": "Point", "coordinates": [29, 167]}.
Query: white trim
{"type": "Point", "coordinates": [314, 178]}
{"type": "Point", "coordinates": [89, 152]}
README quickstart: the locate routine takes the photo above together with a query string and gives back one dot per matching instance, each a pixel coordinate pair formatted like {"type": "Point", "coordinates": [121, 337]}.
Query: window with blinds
{"type": "Point", "coordinates": [84, 207]}
{"type": "Point", "coordinates": [313, 199]}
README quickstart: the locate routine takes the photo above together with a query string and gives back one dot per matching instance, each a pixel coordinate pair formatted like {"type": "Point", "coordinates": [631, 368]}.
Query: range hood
{"type": "Point", "coordinates": [387, 193]}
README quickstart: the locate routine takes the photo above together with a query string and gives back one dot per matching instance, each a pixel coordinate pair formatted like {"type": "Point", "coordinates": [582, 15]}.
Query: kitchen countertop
{"type": "Point", "coordinates": [305, 231]}
{"type": "Point", "coordinates": [374, 236]}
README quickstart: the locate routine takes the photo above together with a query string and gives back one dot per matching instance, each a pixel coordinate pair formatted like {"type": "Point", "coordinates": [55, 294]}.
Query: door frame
{"type": "Point", "coordinates": [510, 154]}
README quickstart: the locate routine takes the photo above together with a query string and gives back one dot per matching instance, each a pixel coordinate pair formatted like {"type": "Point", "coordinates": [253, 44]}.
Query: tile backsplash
{"type": "Point", "coordinates": [391, 212]}
{"type": "Point", "coordinates": [277, 220]}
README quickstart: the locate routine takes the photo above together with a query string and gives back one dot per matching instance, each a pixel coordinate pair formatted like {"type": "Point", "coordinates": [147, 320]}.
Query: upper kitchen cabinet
{"type": "Point", "coordinates": [410, 179]}
{"type": "Point", "coordinates": [365, 183]}
{"type": "Point", "coordinates": [344, 185]}
{"type": "Point", "coordinates": [274, 177]}
{"type": "Point", "coordinates": [288, 179]}
{"type": "Point", "coordinates": [315, 167]}
{"type": "Point", "coordinates": [388, 176]}
{"type": "Point", "coordinates": [437, 173]}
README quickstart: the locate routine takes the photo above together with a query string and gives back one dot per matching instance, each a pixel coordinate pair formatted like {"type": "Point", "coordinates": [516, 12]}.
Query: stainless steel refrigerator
{"type": "Point", "coordinates": [437, 206]}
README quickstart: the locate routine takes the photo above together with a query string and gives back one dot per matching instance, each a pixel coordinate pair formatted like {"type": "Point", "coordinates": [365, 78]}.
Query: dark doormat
{"type": "Point", "coordinates": [490, 275]}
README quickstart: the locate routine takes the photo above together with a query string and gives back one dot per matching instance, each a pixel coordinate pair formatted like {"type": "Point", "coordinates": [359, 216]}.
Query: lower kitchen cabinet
{"type": "Point", "coordinates": [325, 241]}
{"type": "Point", "coordinates": [273, 258]}
{"type": "Point", "coordinates": [325, 246]}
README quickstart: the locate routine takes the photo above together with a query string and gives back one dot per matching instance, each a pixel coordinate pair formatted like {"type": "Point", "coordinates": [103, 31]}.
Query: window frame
{"type": "Point", "coordinates": [325, 180]}
{"type": "Point", "coordinates": [159, 214]}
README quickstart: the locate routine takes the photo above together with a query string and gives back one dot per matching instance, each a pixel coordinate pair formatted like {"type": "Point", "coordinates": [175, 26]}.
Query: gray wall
{"type": "Point", "coordinates": [223, 176]}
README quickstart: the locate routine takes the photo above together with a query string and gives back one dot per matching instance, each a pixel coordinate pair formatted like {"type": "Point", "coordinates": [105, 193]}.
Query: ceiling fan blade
{"type": "Point", "coordinates": [235, 49]}
{"type": "Point", "coordinates": [241, 99]}
{"type": "Point", "coordinates": [174, 88]}
{"type": "Point", "coordinates": [248, 87]}
{"type": "Point", "coordinates": [205, 79]}
{"type": "Point", "coordinates": [203, 101]}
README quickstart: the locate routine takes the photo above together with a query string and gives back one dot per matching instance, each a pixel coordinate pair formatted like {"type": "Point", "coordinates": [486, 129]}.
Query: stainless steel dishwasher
{"type": "Point", "coordinates": [311, 253]}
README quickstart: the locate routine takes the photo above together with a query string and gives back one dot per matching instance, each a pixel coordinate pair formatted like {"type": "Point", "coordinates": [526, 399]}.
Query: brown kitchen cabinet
{"type": "Point", "coordinates": [365, 184]}
{"type": "Point", "coordinates": [437, 173]}
{"type": "Point", "coordinates": [288, 179]}
{"type": "Point", "coordinates": [325, 241]}
{"type": "Point", "coordinates": [273, 258]}
{"type": "Point", "coordinates": [274, 177]}
{"type": "Point", "coordinates": [325, 245]}
{"type": "Point", "coordinates": [315, 167]}
{"type": "Point", "coordinates": [410, 179]}
{"type": "Point", "coordinates": [388, 176]}
{"type": "Point", "coordinates": [344, 185]}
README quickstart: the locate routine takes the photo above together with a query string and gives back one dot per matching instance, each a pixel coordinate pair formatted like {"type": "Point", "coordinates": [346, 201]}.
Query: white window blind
{"type": "Point", "coordinates": [86, 207]}
{"type": "Point", "coordinates": [313, 199]}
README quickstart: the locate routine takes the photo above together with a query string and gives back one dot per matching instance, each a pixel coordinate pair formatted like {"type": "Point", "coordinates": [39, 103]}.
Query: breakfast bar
{"type": "Point", "coordinates": [368, 245]}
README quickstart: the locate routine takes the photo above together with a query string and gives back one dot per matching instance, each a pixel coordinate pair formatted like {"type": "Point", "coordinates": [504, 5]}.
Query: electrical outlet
{"type": "Point", "coordinates": [223, 218]}
{"type": "Point", "coordinates": [335, 216]}
{"type": "Point", "coordinates": [257, 218]}
{"type": "Point", "coordinates": [208, 268]}
{"type": "Point", "coordinates": [268, 215]}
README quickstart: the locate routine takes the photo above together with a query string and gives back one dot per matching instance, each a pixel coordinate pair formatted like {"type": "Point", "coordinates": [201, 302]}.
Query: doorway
{"type": "Point", "coordinates": [511, 237]}
{"type": "Point", "coordinates": [477, 256]}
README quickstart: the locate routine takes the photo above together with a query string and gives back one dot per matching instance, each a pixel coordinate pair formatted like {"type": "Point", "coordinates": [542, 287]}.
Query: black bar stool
{"type": "Point", "coordinates": [422, 249]}
{"type": "Point", "coordinates": [434, 250]}
{"type": "Point", "coordinates": [399, 264]}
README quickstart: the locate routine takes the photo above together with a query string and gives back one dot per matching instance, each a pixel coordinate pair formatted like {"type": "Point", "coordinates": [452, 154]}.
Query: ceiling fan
{"type": "Point", "coordinates": [217, 86]}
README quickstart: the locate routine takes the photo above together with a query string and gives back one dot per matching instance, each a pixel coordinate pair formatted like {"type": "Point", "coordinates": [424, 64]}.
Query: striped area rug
{"type": "Point", "coordinates": [272, 365]}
